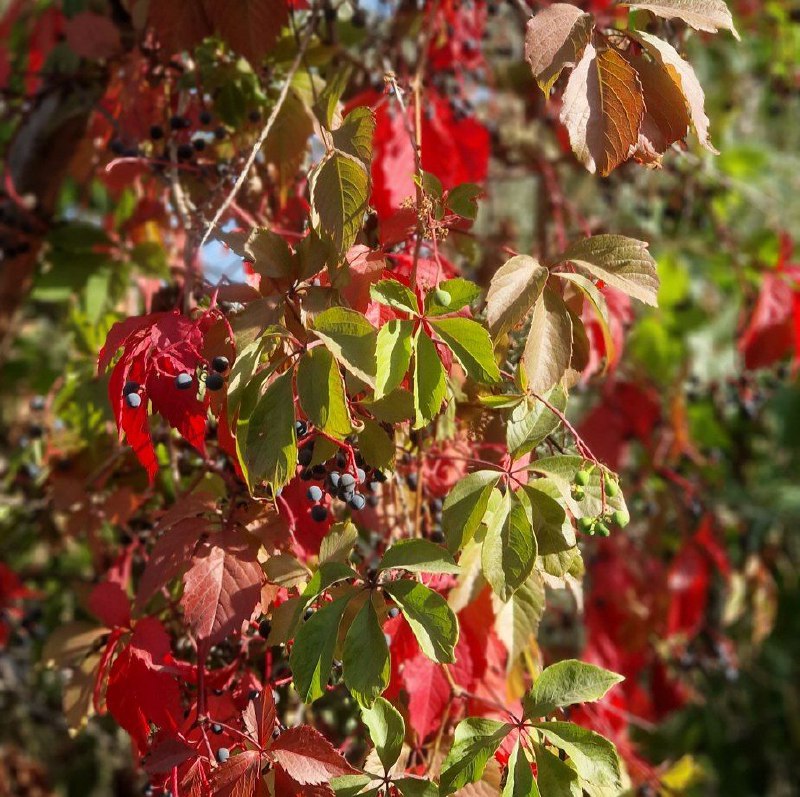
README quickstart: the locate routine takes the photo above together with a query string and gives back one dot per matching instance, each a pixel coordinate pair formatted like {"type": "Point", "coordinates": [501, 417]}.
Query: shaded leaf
{"type": "Point", "coordinates": [308, 757]}
{"type": "Point", "coordinates": [386, 729]}
{"type": "Point", "coordinates": [465, 507]}
{"type": "Point", "coordinates": [365, 657]}
{"type": "Point", "coordinates": [475, 742]}
{"type": "Point", "coordinates": [430, 383]}
{"type": "Point", "coordinates": [706, 15]}
{"type": "Point", "coordinates": [320, 388]}
{"type": "Point", "coordinates": [418, 556]}
{"type": "Point", "coordinates": [548, 349]}
{"type": "Point", "coordinates": [555, 38]}
{"type": "Point", "coordinates": [514, 288]}
{"type": "Point", "coordinates": [351, 339]}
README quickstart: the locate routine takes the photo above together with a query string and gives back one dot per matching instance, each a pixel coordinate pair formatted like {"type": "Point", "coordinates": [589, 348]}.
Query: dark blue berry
{"type": "Point", "coordinates": [220, 364]}
{"type": "Point", "coordinates": [319, 513]}
{"type": "Point", "coordinates": [373, 501]}
{"type": "Point", "coordinates": [412, 480]}
{"type": "Point", "coordinates": [184, 381]}
{"type": "Point", "coordinates": [360, 475]}
{"type": "Point", "coordinates": [214, 382]}
{"type": "Point", "coordinates": [130, 387]}
{"type": "Point", "coordinates": [300, 428]}
{"type": "Point", "coordinates": [319, 471]}
{"type": "Point", "coordinates": [334, 478]}
{"type": "Point", "coordinates": [305, 455]}
{"type": "Point", "coordinates": [374, 487]}
{"type": "Point", "coordinates": [357, 502]}
{"type": "Point", "coordinates": [394, 612]}
{"type": "Point", "coordinates": [223, 754]}
{"type": "Point", "coordinates": [37, 403]}
{"type": "Point", "coordinates": [264, 628]}
{"type": "Point", "coordinates": [156, 132]}
{"type": "Point", "coordinates": [347, 480]}
{"type": "Point", "coordinates": [314, 493]}
{"type": "Point", "coordinates": [306, 475]}
{"type": "Point", "coordinates": [205, 118]}
{"type": "Point", "coordinates": [133, 400]}
{"type": "Point", "coordinates": [216, 728]}
{"type": "Point", "coordinates": [199, 144]}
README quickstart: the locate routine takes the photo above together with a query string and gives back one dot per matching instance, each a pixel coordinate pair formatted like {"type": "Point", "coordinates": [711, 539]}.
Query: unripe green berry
{"type": "Point", "coordinates": [582, 478]}
{"type": "Point", "coordinates": [621, 518]}
{"type": "Point", "coordinates": [612, 488]}
{"type": "Point", "coordinates": [578, 493]}
{"type": "Point", "coordinates": [442, 297]}
{"type": "Point", "coordinates": [585, 524]}
{"type": "Point", "coordinates": [603, 530]}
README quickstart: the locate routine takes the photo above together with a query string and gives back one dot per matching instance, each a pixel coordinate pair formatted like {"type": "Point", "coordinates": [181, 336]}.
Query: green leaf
{"type": "Point", "coordinates": [595, 757]}
{"type": "Point", "coordinates": [328, 100]}
{"type": "Point", "coordinates": [561, 470]}
{"type": "Point", "coordinates": [554, 532]}
{"type": "Point", "coordinates": [476, 741]}
{"type": "Point", "coordinates": [548, 349]}
{"type": "Point", "coordinates": [270, 254]}
{"type": "Point", "coordinates": [430, 383]}
{"type": "Point", "coordinates": [509, 548]}
{"type": "Point", "coordinates": [321, 391]}
{"type": "Point", "coordinates": [621, 262]}
{"type": "Point", "coordinates": [514, 289]}
{"type": "Point", "coordinates": [393, 355]}
{"type": "Point", "coordinates": [472, 346]}
{"type": "Point", "coordinates": [462, 292]}
{"type": "Point", "coordinates": [463, 200]}
{"type": "Point", "coordinates": [270, 452]}
{"type": "Point", "coordinates": [465, 507]}
{"type": "Point", "coordinates": [351, 339]}
{"type": "Point", "coordinates": [531, 422]}
{"type": "Point", "coordinates": [338, 543]}
{"type": "Point", "coordinates": [566, 683]}
{"type": "Point", "coordinates": [354, 136]}
{"type": "Point", "coordinates": [394, 294]}
{"type": "Point", "coordinates": [416, 787]}
{"type": "Point", "coordinates": [312, 653]}
{"type": "Point", "coordinates": [376, 446]}
{"type": "Point", "coordinates": [242, 372]}
{"type": "Point", "coordinates": [517, 621]}
{"type": "Point", "coordinates": [431, 619]}
{"type": "Point", "coordinates": [520, 782]}
{"type": "Point", "coordinates": [395, 407]}
{"type": "Point", "coordinates": [418, 556]}
{"type": "Point", "coordinates": [339, 195]}
{"type": "Point", "coordinates": [555, 777]}
{"type": "Point", "coordinates": [386, 729]}
{"type": "Point", "coordinates": [326, 575]}
{"type": "Point", "coordinates": [365, 657]}
{"type": "Point", "coordinates": [350, 785]}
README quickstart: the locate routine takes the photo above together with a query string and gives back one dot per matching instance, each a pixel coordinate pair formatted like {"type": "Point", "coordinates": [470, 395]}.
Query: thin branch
{"type": "Point", "coordinates": [240, 180]}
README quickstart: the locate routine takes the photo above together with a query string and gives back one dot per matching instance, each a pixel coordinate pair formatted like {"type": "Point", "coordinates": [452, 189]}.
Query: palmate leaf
{"type": "Point", "coordinates": [351, 339]}
{"type": "Point", "coordinates": [548, 349]}
{"type": "Point", "coordinates": [394, 346]}
{"type": "Point", "coordinates": [517, 620]}
{"type": "Point", "coordinates": [430, 381]}
{"type": "Point", "coordinates": [465, 507]}
{"type": "Point", "coordinates": [461, 292]}
{"type": "Point", "coordinates": [365, 657]}
{"type": "Point", "coordinates": [624, 263]}
{"type": "Point", "coordinates": [471, 345]}
{"type": "Point", "coordinates": [418, 556]}
{"type": "Point", "coordinates": [567, 683]}
{"type": "Point", "coordinates": [270, 451]}
{"type": "Point", "coordinates": [595, 758]}
{"type": "Point", "coordinates": [475, 741]}
{"type": "Point", "coordinates": [705, 15]}
{"type": "Point", "coordinates": [339, 195]}
{"type": "Point", "coordinates": [312, 653]}
{"type": "Point", "coordinates": [509, 548]}
{"type": "Point", "coordinates": [602, 109]}
{"type": "Point", "coordinates": [322, 395]}
{"type": "Point", "coordinates": [682, 75]}
{"type": "Point", "coordinates": [354, 136]}
{"type": "Point", "coordinates": [555, 777]}
{"type": "Point", "coordinates": [514, 288]}
{"type": "Point", "coordinates": [530, 421]}
{"type": "Point", "coordinates": [386, 729]}
{"type": "Point", "coordinates": [555, 39]}
{"type": "Point", "coordinates": [394, 294]}
{"type": "Point", "coordinates": [520, 782]}
{"type": "Point", "coordinates": [431, 619]}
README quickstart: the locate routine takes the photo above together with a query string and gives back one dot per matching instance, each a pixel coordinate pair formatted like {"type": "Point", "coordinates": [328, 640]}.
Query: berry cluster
{"type": "Point", "coordinates": [338, 478]}
{"type": "Point", "coordinates": [598, 525]}
{"type": "Point", "coordinates": [214, 381]}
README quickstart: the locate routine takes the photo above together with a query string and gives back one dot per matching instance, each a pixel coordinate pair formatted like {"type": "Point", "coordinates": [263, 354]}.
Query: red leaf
{"type": "Point", "coordinates": [287, 787]}
{"type": "Point", "coordinates": [238, 776]}
{"type": "Point", "coordinates": [169, 557]}
{"type": "Point", "coordinates": [259, 717]}
{"type": "Point", "coordinates": [139, 691]}
{"type": "Point", "coordinates": [250, 27]}
{"type": "Point", "coordinates": [109, 602]}
{"type": "Point", "coordinates": [223, 586]}
{"type": "Point", "coordinates": [308, 757]}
